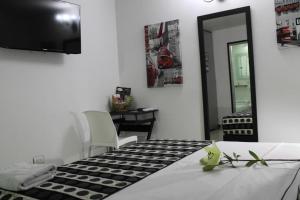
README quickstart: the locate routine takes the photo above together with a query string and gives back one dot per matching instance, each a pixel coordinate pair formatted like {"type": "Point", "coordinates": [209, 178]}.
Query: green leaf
{"type": "Point", "coordinates": [254, 155]}
{"type": "Point", "coordinates": [208, 168]}
{"type": "Point", "coordinates": [228, 157]}
{"type": "Point", "coordinates": [236, 156]}
{"type": "Point", "coordinates": [251, 162]}
{"type": "Point", "coordinates": [221, 162]}
{"type": "Point", "coordinates": [263, 162]}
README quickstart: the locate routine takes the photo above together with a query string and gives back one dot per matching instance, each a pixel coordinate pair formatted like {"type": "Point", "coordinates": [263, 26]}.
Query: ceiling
{"type": "Point", "coordinates": [225, 22]}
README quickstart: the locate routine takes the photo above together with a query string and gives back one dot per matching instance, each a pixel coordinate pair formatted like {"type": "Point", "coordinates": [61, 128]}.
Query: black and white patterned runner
{"type": "Point", "coordinates": [100, 176]}
{"type": "Point", "coordinates": [240, 123]}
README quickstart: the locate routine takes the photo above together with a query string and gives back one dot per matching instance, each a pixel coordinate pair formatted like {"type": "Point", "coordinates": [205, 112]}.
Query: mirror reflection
{"type": "Point", "coordinates": [239, 76]}
{"type": "Point", "coordinates": [229, 92]}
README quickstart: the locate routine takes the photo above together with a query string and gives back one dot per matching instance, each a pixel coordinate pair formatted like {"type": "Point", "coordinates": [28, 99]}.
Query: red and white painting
{"type": "Point", "coordinates": [163, 56]}
{"type": "Point", "coordinates": [288, 22]}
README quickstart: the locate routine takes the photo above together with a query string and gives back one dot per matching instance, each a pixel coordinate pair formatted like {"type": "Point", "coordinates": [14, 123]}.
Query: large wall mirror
{"type": "Point", "coordinates": [228, 83]}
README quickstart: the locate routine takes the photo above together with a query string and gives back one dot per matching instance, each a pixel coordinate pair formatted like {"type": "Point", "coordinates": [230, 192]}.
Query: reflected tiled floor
{"type": "Point", "coordinates": [216, 135]}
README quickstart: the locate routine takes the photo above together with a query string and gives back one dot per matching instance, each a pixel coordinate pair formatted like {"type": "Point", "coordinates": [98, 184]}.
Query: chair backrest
{"type": "Point", "coordinates": [102, 129]}
{"type": "Point", "coordinates": [83, 130]}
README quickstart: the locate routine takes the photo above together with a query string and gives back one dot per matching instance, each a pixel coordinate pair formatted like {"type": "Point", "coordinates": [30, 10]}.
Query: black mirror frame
{"type": "Point", "coordinates": [246, 10]}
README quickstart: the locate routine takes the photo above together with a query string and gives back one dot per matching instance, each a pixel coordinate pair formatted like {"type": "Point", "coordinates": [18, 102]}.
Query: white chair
{"type": "Point", "coordinates": [83, 130]}
{"type": "Point", "coordinates": [103, 131]}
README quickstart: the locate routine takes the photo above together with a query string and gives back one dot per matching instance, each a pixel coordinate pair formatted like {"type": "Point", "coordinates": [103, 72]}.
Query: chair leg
{"type": "Point", "coordinates": [149, 135]}
{"type": "Point", "coordinates": [110, 149]}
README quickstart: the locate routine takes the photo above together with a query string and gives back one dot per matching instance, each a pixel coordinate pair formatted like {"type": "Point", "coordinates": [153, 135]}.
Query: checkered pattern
{"type": "Point", "coordinates": [101, 176]}
{"type": "Point", "coordinates": [238, 124]}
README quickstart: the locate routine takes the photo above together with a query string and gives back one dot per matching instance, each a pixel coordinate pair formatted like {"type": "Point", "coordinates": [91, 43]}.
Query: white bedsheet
{"type": "Point", "coordinates": [185, 180]}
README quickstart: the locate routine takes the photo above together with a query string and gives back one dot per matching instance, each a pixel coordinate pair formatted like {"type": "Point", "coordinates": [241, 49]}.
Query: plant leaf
{"type": "Point", "coordinates": [228, 157]}
{"type": "Point", "coordinates": [254, 155]}
{"type": "Point", "coordinates": [251, 162]}
{"type": "Point", "coordinates": [235, 155]}
{"type": "Point", "coordinates": [221, 162]}
{"type": "Point", "coordinates": [263, 162]}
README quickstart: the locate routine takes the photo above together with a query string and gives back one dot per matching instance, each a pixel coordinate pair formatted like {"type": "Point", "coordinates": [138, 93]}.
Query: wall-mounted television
{"type": "Point", "coordinates": [40, 25]}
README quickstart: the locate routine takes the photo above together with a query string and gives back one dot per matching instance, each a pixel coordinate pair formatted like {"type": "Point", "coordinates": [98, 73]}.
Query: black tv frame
{"type": "Point", "coordinates": [51, 50]}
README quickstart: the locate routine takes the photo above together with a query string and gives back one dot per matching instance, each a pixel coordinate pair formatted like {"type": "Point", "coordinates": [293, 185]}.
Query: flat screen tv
{"type": "Point", "coordinates": [40, 25]}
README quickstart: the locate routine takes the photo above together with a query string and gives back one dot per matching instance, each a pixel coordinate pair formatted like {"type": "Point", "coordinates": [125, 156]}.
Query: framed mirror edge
{"type": "Point", "coordinates": [200, 20]}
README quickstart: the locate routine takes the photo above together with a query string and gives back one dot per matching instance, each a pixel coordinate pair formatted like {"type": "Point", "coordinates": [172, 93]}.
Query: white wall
{"type": "Point", "coordinates": [181, 115]}
{"type": "Point", "coordinates": [220, 39]}
{"type": "Point", "coordinates": [179, 107]}
{"type": "Point", "coordinates": [38, 91]}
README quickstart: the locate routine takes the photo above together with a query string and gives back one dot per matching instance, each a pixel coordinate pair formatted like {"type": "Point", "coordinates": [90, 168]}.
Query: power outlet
{"type": "Point", "coordinates": [39, 159]}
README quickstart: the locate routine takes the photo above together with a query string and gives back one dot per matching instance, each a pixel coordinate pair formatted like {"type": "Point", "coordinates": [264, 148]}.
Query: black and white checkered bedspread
{"type": "Point", "coordinates": [100, 176]}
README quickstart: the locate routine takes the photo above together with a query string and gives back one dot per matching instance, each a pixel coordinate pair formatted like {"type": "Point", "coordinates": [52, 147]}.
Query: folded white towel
{"type": "Point", "coordinates": [24, 176]}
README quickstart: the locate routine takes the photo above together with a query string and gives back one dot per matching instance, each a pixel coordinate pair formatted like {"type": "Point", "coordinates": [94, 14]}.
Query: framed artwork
{"type": "Point", "coordinates": [163, 56]}
{"type": "Point", "coordinates": [288, 22]}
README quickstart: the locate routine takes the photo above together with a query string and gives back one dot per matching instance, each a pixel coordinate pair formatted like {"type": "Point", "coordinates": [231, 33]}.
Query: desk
{"type": "Point", "coordinates": [137, 124]}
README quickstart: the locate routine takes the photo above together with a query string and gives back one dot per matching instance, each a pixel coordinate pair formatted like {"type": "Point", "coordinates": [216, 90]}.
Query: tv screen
{"type": "Point", "coordinates": [40, 25]}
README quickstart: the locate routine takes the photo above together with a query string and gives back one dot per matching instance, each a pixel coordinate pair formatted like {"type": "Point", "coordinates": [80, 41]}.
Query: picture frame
{"type": "Point", "coordinates": [163, 55]}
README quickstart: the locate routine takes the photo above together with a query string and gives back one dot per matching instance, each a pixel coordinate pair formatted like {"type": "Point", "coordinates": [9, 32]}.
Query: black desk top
{"type": "Point", "coordinates": [133, 112]}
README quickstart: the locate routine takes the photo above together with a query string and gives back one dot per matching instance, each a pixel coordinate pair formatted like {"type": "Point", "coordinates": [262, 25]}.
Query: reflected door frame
{"type": "Point", "coordinates": [200, 19]}
{"type": "Point", "coordinates": [233, 109]}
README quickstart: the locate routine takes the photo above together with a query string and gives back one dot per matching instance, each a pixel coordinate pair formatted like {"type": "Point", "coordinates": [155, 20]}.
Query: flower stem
{"type": "Point", "coordinates": [292, 160]}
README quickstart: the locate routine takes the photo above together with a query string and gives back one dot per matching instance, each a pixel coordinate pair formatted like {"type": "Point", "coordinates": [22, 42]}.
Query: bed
{"type": "Point", "coordinates": [173, 172]}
